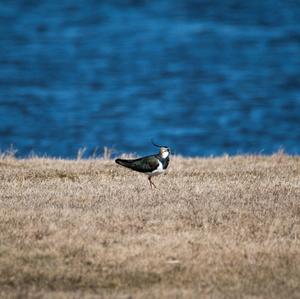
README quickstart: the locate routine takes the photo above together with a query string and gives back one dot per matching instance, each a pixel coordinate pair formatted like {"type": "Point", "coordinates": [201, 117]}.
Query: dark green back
{"type": "Point", "coordinates": [145, 164]}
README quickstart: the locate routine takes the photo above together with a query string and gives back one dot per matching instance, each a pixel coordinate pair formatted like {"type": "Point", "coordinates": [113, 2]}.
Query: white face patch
{"type": "Point", "coordinates": [165, 154]}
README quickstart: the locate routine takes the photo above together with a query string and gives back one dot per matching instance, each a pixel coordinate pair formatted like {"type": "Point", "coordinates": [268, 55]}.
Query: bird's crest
{"type": "Point", "coordinates": [157, 145]}
{"type": "Point", "coordinates": [163, 149]}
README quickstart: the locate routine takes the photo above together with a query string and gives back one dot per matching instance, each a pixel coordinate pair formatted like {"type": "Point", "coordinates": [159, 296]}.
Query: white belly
{"type": "Point", "coordinates": [157, 171]}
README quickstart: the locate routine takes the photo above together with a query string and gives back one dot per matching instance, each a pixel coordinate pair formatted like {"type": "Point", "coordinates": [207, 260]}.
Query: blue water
{"type": "Point", "coordinates": [205, 77]}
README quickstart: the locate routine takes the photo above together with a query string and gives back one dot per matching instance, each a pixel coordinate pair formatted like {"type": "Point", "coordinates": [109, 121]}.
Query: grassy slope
{"type": "Point", "coordinates": [222, 227]}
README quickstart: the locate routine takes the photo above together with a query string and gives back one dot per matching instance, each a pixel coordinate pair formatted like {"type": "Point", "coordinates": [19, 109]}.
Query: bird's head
{"type": "Point", "coordinates": [164, 151]}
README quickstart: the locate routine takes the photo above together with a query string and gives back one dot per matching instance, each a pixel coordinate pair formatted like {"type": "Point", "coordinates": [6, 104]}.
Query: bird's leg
{"type": "Point", "coordinates": [149, 179]}
{"type": "Point", "coordinates": [151, 183]}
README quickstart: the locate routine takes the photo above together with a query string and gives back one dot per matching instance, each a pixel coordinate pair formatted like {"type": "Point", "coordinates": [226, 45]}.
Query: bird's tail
{"type": "Point", "coordinates": [123, 162]}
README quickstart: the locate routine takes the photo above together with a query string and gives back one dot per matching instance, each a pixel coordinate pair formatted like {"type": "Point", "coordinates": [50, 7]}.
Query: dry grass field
{"type": "Point", "coordinates": [225, 227]}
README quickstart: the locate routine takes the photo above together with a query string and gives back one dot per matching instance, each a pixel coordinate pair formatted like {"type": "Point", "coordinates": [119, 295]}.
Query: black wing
{"type": "Point", "coordinates": [145, 164]}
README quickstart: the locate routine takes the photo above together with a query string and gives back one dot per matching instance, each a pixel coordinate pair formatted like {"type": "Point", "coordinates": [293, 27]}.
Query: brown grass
{"type": "Point", "coordinates": [214, 228]}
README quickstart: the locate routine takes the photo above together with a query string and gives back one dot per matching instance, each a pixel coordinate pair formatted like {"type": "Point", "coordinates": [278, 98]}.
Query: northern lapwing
{"type": "Point", "coordinates": [150, 165]}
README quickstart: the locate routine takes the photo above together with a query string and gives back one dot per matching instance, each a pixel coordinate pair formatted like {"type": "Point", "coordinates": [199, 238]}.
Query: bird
{"type": "Point", "coordinates": [152, 165]}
